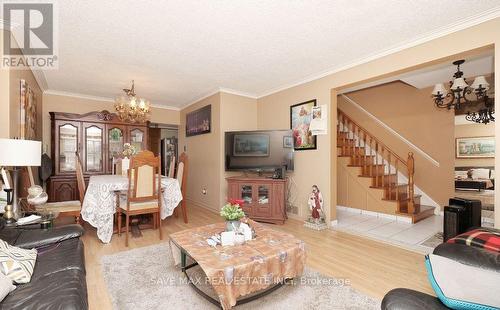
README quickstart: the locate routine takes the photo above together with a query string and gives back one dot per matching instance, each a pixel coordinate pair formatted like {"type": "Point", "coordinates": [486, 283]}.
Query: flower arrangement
{"type": "Point", "coordinates": [232, 211]}
{"type": "Point", "coordinates": [129, 150]}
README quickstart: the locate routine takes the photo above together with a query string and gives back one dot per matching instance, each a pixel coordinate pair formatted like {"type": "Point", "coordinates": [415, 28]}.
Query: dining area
{"type": "Point", "coordinates": [135, 189]}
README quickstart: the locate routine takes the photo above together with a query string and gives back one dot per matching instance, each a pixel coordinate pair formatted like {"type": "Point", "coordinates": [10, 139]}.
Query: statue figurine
{"type": "Point", "coordinates": [316, 205]}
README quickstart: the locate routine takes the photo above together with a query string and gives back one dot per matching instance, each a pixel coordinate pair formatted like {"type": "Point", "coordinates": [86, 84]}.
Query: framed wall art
{"type": "Point", "coordinates": [475, 147]}
{"type": "Point", "coordinates": [300, 121]}
{"type": "Point", "coordinates": [199, 121]}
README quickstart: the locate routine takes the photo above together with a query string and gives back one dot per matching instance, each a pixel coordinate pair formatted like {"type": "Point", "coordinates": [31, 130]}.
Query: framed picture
{"type": "Point", "coordinates": [475, 147]}
{"type": "Point", "coordinates": [199, 121]}
{"type": "Point", "coordinates": [287, 141]}
{"type": "Point", "coordinates": [300, 120]}
{"type": "Point", "coordinates": [27, 108]}
{"type": "Point", "coordinates": [251, 145]}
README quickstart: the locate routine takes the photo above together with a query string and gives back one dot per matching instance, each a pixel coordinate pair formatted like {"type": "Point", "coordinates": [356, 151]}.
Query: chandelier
{"type": "Point", "coordinates": [131, 108]}
{"type": "Point", "coordinates": [461, 93]}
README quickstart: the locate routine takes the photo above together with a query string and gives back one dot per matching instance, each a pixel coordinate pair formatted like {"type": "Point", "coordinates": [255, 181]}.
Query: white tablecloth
{"type": "Point", "coordinates": [99, 203]}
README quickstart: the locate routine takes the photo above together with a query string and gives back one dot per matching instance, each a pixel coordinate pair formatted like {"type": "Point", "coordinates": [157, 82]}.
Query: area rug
{"type": "Point", "coordinates": [146, 278]}
{"type": "Point", "coordinates": [433, 241]}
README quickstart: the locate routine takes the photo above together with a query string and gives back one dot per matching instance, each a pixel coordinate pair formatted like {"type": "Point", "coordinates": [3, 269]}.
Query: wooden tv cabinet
{"type": "Point", "coordinates": [264, 197]}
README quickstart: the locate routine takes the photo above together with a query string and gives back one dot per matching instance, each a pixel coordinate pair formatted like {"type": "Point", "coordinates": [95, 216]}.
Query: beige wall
{"type": "Point", "coordinates": [474, 130]}
{"type": "Point", "coordinates": [204, 153]}
{"type": "Point", "coordinates": [237, 113]}
{"type": "Point", "coordinates": [273, 109]}
{"type": "Point", "coordinates": [69, 104]}
{"type": "Point", "coordinates": [4, 97]}
{"type": "Point", "coordinates": [410, 112]}
{"type": "Point", "coordinates": [10, 98]}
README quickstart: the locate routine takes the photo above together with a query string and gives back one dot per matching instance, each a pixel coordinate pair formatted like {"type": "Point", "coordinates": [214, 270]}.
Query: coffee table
{"type": "Point", "coordinates": [253, 269]}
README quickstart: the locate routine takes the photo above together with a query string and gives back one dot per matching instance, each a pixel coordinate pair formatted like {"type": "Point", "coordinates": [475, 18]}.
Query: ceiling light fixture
{"type": "Point", "coordinates": [131, 108]}
{"type": "Point", "coordinates": [457, 95]}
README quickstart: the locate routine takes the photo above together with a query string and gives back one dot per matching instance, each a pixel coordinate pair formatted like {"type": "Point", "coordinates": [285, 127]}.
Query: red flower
{"type": "Point", "coordinates": [238, 202]}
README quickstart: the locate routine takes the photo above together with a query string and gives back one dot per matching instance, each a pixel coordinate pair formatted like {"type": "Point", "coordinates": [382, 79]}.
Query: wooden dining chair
{"type": "Point", "coordinates": [144, 191]}
{"type": "Point", "coordinates": [70, 208]}
{"type": "Point", "coordinates": [171, 168]}
{"type": "Point", "coordinates": [182, 171]}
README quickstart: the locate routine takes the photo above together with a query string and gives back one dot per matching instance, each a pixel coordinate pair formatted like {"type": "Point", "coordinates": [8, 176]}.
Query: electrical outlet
{"type": "Point", "coordinates": [204, 191]}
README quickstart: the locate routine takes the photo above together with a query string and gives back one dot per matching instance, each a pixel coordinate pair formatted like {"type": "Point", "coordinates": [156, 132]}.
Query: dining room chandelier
{"type": "Point", "coordinates": [132, 108]}
{"type": "Point", "coordinates": [461, 93]}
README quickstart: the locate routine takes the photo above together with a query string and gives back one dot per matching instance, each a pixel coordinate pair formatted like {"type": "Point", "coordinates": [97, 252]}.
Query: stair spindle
{"type": "Point", "coordinates": [376, 164]}
{"type": "Point", "coordinates": [397, 187]}
{"type": "Point", "coordinates": [371, 158]}
{"type": "Point", "coordinates": [411, 194]}
{"type": "Point", "coordinates": [383, 167]}
{"type": "Point", "coordinates": [364, 153]}
{"type": "Point", "coordinates": [389, 160]}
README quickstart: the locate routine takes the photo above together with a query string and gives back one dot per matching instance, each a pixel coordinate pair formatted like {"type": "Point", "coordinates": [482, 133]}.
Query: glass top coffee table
{"type": "Point", "coordinates": [240, 273]}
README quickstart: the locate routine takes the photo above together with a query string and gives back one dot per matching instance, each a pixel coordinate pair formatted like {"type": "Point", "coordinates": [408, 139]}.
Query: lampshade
{"type": "Point", "coordinates": [439, 90]}
{"type": "Point", "coordinates": [459, 82]}
{"type": "Point", "coordinates": [480, 81]}
{"type": "Point", "coordinates": [14, 152]}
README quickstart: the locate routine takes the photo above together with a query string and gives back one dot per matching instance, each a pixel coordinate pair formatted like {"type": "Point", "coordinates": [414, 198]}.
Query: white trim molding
{"type": "Point", "coordinates": [395, 133]}
{"type": "Point", "coordinates": [98, 98]}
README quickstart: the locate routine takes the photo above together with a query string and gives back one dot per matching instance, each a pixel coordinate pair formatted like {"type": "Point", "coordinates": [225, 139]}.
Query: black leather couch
{"type": "Point", "coordinates": [58, 280]}
{"type": "Point", "coordinates": [406, 299]}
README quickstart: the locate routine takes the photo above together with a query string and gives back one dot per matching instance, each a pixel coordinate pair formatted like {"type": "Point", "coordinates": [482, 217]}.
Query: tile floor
{"type": "Point", "coordinates": [390, 230]}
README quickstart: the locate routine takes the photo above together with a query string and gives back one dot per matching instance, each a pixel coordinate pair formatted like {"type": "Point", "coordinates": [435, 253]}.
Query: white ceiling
{"type": "Point", "coordinates": [179, 51]}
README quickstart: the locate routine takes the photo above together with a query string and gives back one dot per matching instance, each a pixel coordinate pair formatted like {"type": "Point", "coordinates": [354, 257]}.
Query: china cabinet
{"type": "Point", "coordinates": [98, 137]}
{"type": "Point", "coordinates": [263, 198]}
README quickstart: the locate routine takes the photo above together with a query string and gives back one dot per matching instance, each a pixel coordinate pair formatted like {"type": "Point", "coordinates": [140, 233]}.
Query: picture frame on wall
{"type": "Point", "coordinates": [199, 122]}
{"type": "Point", "coordinates": [287, 142]}
{"type": "Point", "coordinates": [475, 147]}
{"type": "Point", "coordinates": [300, 121]}
{"type": "Point", "coordinates": [27, 111]}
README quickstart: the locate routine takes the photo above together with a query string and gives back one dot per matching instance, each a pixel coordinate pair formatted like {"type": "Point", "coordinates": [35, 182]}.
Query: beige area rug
{"type": "Point", "coordinates": [146, 278]}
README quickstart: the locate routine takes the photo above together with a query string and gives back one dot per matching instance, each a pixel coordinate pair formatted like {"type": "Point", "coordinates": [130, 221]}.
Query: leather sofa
{"type": "Point", "coordinates": [58, 280]}
{"type": "Point", "coordinates": [406, 299]}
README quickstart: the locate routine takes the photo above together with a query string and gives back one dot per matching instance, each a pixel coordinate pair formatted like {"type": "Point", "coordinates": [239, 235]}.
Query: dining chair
{"type": "Point", "coordinates": [171, 168]}
{"type": "Point", "coordinates": [144, 191]}
{"type": "Point", "coordinates": [182, 171]}
{"type": "Point", "coordinates": [74, 207]}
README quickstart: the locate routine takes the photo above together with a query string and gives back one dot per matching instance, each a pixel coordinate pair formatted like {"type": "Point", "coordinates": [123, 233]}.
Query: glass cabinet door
{"type": "Point", "coordinates": [246, 193]}
{"type": "Point", "coordinates": [94, 142]}
{"type": "Point", "coordinates": [263, 192]}
{"type": "Point", "coordinates": [68, 145]}
{"type": "Point", "coordinates": [137, 139]}
{"type": "Point", "coordinates": [116, 139]}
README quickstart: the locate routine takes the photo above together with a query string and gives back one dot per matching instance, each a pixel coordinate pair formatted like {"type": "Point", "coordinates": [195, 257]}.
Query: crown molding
{"type": "Point", "coordinates": [98, 98]}
{"type": "Point", "coordinates": [238, 93]}
{"type": "Point", "coordinates": [219, 90]}
{"type": "Point", "coordinates": [432, 35]}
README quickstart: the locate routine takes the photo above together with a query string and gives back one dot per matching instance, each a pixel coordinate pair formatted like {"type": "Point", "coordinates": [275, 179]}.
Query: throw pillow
{"type": "Point", "coordinates": [480, 173]}
{"type": "Point", "coordinates": [6, 286]}
{"type": "Point", "coordinates": [17, 263]}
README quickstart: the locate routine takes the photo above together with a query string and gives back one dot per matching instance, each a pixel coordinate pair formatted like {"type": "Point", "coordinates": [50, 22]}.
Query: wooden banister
{"type": "Point", "coordinates": [361, 138]}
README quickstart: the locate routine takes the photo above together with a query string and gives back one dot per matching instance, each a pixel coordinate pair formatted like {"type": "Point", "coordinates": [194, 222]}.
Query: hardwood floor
{"type": "Point", "coordinates": [371, 267]}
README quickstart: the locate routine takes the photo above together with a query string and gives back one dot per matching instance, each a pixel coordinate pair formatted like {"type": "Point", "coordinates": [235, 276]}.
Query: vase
{"type": "Point", "coordinates": [231, 225]}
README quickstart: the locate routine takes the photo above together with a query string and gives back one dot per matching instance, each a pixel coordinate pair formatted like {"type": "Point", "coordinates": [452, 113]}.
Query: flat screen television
{"type": "Point", "coordinates": [259, 150]}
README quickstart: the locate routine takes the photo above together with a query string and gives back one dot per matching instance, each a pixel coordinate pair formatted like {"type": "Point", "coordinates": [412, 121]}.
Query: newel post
{"type": "Point", "coordinates": [411, 183]}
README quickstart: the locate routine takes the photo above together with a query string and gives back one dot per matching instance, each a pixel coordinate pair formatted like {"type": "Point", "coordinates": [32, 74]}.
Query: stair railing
{"type": "Point", "coordinates": [356, 141]}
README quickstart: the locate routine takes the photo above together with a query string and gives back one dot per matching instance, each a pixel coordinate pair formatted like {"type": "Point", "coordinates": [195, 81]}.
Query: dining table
{"type": "Point", "coordinates": [100, 201]}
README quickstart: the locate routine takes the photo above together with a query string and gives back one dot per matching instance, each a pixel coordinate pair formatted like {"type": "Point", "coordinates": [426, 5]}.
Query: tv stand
{"type": "Point", "coordinates": [264, 198]}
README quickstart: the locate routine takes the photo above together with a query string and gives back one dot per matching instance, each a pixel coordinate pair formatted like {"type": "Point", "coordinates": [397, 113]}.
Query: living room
{"type": "Point", "coordinates": [260, 84]}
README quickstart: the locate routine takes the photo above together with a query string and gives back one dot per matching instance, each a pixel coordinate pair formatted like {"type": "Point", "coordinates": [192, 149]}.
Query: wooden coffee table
{"type": "Point", "coordinates": [253, 269]}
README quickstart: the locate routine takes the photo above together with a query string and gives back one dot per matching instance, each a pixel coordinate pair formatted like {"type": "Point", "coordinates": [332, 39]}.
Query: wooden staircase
{"type": "Point", "coordinates": [383, 166]}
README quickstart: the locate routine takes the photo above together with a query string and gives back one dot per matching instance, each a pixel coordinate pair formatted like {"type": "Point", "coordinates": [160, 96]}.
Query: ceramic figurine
{"type": "Point", "coordinates": [316, 220]}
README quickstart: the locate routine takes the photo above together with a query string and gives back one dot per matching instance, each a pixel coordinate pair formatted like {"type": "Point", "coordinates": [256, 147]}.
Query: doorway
{"type": "Point", "coordinates": [163, 142]}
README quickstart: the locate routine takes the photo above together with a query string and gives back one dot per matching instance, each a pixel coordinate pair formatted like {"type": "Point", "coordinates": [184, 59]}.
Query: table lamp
{"type": "Point", "coordinates": [17, 153]}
